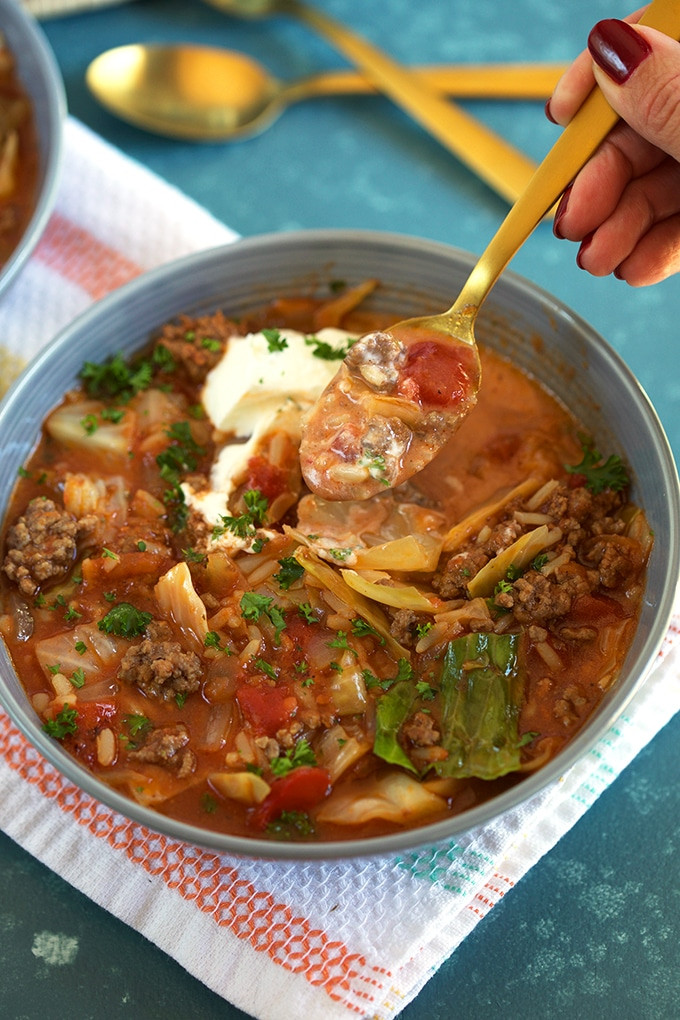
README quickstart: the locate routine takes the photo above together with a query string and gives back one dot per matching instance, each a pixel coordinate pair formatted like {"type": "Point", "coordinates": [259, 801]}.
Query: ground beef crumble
{"type": "Point", "coordinates": [198, 344]}
{"type": "Point", "coordinates": [42, 544]}
{"type": "Point", "coordinates": [161, 668]}
{"type": "Point", "coordinates": [167, 747]}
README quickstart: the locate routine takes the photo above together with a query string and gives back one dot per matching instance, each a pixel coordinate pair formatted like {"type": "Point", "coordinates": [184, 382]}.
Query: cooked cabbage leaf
{"type": "Point", "coordinates": [482, 688]}
{"type": "Point", "coordinates": [392, 710]}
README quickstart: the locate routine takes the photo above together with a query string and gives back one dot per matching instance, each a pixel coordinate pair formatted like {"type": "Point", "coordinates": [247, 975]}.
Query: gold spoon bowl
{"type": "Point", "coordinates": [203, 93]}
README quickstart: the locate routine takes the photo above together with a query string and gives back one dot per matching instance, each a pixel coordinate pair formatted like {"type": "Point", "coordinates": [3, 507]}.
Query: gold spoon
{"type": "Point", "coordinates": [401, 394]}
{"type": "Point", "coordinates": [201, 93]}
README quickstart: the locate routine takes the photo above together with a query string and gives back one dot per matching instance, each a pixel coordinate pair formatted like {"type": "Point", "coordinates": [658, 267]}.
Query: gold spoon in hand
{"type": "Point", "coordinates": [401, 394]}
{"type": "Point", "coordinates": [201, 93]}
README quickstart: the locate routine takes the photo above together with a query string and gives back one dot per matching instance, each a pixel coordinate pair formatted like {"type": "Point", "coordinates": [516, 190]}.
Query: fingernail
{"type": "Point", "coordinates": [585, 244]}
{"type": "Point", "coordinates": [617, 48]}
{"type": "Point", "coordinates": [560, 211]}
{"type": "Point", "coordinates": [549, 114]}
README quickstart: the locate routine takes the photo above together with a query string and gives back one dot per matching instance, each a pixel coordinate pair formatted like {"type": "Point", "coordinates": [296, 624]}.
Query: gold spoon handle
{"type": "Point", "coordinates": [495, 161]}
{"type": "Point", "coordinates": [579, 140]}
{"type": "Point", "coordinates": [473, 81]}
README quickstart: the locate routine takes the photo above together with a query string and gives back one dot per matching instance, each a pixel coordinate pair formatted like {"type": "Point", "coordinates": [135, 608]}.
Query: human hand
{"type": "Point", "coordinates": [624, 205]}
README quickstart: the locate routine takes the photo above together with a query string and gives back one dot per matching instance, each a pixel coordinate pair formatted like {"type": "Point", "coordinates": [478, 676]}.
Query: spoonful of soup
{"type": "Point", "coordinates": [400, 394]}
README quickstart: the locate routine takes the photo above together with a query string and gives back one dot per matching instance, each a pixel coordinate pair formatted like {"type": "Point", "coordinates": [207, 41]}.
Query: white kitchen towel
{"type": "Point", "coordinates": [354, 938]}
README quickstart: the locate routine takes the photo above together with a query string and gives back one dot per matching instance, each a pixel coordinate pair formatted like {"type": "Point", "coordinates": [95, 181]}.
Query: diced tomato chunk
{"type": "Point", "coordinates": [92, 718]}
{"type": "Point", "coordinates": [267, 709]}
{"type": "Point", "coordinates": [300, 790]}
{"type": "Point", "coordinates": [269, 479]}
{"type": "Point", "coordinates": [436, 374]}
{"type": "Point", "coordinates": [596, 610]}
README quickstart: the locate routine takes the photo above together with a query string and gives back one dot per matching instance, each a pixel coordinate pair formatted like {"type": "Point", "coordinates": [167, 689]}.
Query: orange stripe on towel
{"type": "Point", "coordinates": [254, 915]}
{"type": "Point", "coordinates": [82, 259]}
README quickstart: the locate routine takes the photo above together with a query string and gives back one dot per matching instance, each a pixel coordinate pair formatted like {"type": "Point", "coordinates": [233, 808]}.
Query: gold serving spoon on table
{"type": "Point", "coordinates": [400, 394]}
{"type": "Point", "coordinates": [494, 161]}
{"type": "Point", "coordinates": [202, 93]}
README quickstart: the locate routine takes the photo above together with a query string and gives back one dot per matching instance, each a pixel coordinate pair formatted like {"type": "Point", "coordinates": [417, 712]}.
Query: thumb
{"type": "Point", "coordinates": [638, 70]}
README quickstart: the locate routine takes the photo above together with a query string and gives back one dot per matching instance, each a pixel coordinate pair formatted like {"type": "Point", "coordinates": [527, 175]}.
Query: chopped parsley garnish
{"type": "Point", "coordinates": [291, 825]}
{"type": "Point", "coordinates": [340, 554]}
{"type": "Point", "coordinates": [212, 640]}
{"type": "Point", "coordinates": [181, 456]}
{"type": "Point", "coordinates": [78, 677]}
{"type": "Point", "coordinates": [340, 641]}
{"type": "Point", "coordinates": [89, 424]}
{"type": "Point", "coordinates": [80, 647]}
{"type": "Point", "coordinates": [208, 803]}
{"type": "Point", "coordinates": [163, 359]}
{"type": "Point", "coordinates": [423, 628]}
{"type": "Point", "coordinates": [253, 605]}
{"type": "Point", "coordinates": [326, 351]}
{"type": "Point", "coordinates": [116, 378]}
{"type": "Point", "coordinates": [307, 613]}
{"type": "Point", "coordinates": [63, 724]}
{"type": "Point", "coordinates": [245, 524]}
{"type": "Point", "coordinates": [404, 672]}
{"type": "Point", "coordinates": [376, 465]}
{"type": "Point", "coordinates": [275, 342]}
{"type": "Point", "coordinates": [192, 556]}
{"type": "Point", "coordinates": [293, 758]}
{"type": "Point", "coordinates": [425, 690]}
{"type": "Point", "coordinates": [362, 628]}
{"type": "Point", "coordinates": [290, 571]}
{"type": "Point", "coordinates": [208, 344]}
{"type": "Point", "coordinates": [599, 474]}
{"type": "Point", "coordinates": [266, 668]}
{"type": "Point", "coordinates": [137, 727]}
{"type": "Point", "coordinates": [125, 620]}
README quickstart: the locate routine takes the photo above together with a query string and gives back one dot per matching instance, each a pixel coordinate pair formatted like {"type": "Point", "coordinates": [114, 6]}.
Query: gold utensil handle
{"type": "Point", "coordinates": [464, 81]}
{"type": "Point", "coordinates": [577, 143]}
{"type": "Point", "coordinates": [494, 160]}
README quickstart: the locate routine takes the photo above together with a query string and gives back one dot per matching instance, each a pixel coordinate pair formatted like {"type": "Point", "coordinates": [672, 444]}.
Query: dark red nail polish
{"type": "Point", "coordinates": [549, 114]}
{"type": "Point", "coordinates": [617, 48]}
{"type": "Point", "coordinates": [560, 211]}
{"type": "Point", "coordinates": [585, 244]}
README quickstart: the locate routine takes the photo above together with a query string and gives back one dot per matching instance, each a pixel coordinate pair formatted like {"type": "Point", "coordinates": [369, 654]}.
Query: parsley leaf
{"type": "Point", "coordinates": [294, 757]}
{"type": "Point", "coordinates": [290, 571]}
{"type": "Point", "coordinates": [115, 377]}
{"type": "Point", "coordinates": [254, 605]}
{"type": "Point", "coordinates": [63, 724]}
{"type": "Point", "coordinates": [326, 351]}
{"type": "Point", "coordinates": [599, 474]}
{"type": "Point", "coordinates": [125, 620]}
{"type": "Point", "coordinates": [245, 525]}
{"type": "Point", "coordinates": [362, 628]}
{"type": "Point", "coordinates": [275, 342]}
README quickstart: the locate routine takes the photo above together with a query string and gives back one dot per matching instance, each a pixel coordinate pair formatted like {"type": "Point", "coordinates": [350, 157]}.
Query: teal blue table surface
{"type": "Point", "coordinates": [594, 928]}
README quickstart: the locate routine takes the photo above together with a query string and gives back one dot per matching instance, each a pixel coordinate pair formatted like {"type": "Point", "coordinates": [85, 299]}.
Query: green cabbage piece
{"type": "Point", "coordinates": [392, 710]}
{"type": "Point", "coordinates": [482, 689]}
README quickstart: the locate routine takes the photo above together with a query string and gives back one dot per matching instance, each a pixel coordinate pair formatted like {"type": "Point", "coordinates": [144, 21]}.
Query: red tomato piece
{"type": "Point", "coordinates": [300, 790]}
{"type": "Point", "coordinates": [92, 718]}
{"type": "Point", "coordinates": [267, 709]}
{"type": "Point", "coordinates": [436, 374]}
{"type": "Point", "coordinates": [267, 478]}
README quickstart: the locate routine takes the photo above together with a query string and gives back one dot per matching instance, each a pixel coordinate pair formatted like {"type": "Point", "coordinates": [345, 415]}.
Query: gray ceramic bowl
{"type": "Point", "coordinates": [417, 277]}
{"type": "Point", "coordinates": [42, 81]}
